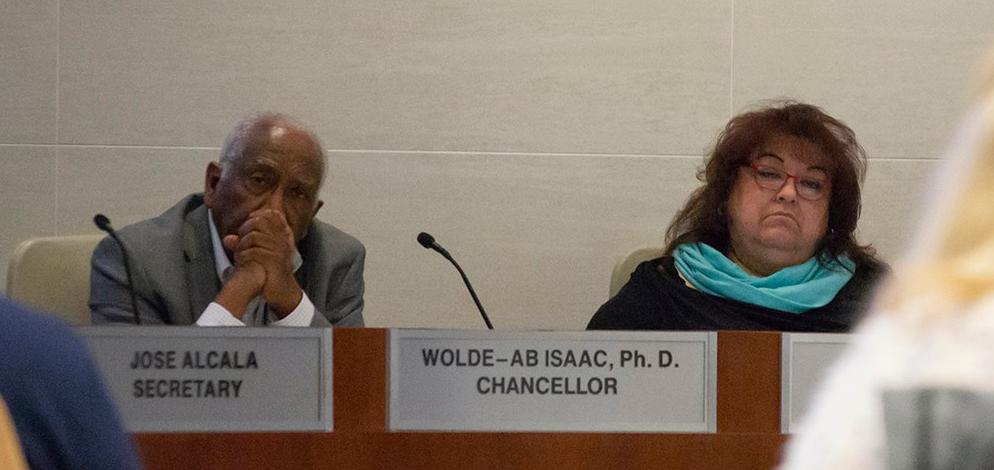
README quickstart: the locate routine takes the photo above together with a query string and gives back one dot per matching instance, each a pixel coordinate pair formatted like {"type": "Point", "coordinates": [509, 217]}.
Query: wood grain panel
{"type": "Point", "coordinates": [360, 383]}
{"type": "Point", "coordinates": [748, 382]}
{"type": "Point", "coordinates": [748, 427]}
{"type": "Point", "coordinates": [460, 450]}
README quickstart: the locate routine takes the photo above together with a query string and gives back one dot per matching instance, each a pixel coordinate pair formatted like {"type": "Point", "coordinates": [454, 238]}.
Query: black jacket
{"type": "Point", "coordinates": [656, 298]}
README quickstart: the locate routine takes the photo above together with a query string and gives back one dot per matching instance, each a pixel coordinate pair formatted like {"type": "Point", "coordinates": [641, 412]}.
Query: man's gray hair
{"type": "Point", "coordinates": [250, 132]}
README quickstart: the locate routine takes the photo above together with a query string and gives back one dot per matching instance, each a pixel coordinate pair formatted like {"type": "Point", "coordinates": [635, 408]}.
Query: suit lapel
{"type": "Point", "coordinates": [311, 256]}
{"type": "Point", "coordinates": [201, 275]}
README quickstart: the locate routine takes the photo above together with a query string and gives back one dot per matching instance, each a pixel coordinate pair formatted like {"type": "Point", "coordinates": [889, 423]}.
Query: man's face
{"type": "Point", "coordinates": [281, 171]}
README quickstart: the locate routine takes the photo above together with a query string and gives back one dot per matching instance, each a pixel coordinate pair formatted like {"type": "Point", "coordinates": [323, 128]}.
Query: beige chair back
{"type": "Point", "coordinates": [52, 274]}
{"type": "Point", "coordinates": [623, 270]}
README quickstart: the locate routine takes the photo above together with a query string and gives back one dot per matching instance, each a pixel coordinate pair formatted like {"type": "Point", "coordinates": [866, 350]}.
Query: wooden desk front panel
{"type": "Point", "coordinates": [748, 427]}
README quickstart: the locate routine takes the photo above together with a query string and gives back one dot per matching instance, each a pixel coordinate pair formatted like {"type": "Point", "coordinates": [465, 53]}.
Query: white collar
{"type": "Point", "coordinates": [222, 265]}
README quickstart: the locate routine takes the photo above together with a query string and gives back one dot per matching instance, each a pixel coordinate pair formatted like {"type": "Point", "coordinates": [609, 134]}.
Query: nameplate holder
{"type": "Point", "coordinates": [552, 381]}
{"type": "Point", "coordinates": [806, 358]}
{"type": "Point", "coordinates": [192, 379]}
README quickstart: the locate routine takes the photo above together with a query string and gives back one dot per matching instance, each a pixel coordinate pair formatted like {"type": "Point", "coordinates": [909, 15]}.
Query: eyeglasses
{"type": "Point", "coordinates": [773, 179]}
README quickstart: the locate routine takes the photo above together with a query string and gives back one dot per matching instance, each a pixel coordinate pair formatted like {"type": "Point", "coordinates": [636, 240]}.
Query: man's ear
{"type": "Point", "coordinates": [317, 207]}
{"type": "Point", "coordinates": [211, 178]}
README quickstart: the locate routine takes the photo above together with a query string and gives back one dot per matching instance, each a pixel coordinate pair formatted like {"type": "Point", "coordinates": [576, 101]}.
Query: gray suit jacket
{"type": "Point", "coordinates": [173, 273]}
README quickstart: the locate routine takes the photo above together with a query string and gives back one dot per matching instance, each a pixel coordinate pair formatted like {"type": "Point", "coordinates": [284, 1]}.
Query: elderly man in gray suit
{"type": "Point", "coordinates": [247, 251]}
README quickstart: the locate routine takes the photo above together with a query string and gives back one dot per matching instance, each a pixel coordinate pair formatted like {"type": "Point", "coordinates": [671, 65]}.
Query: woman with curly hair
{"type": "Point", "coordinates": [767, 242]}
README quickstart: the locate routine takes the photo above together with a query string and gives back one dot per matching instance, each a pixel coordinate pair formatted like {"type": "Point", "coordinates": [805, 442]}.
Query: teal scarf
{"type": "Point", "coordinates": [794, 289]}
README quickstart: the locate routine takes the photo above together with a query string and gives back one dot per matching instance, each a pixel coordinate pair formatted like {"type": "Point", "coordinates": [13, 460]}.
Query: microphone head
{"type": "Point", "coordinates": [426, 240]}
{"type": "Point", "coordinates": [102, 222]}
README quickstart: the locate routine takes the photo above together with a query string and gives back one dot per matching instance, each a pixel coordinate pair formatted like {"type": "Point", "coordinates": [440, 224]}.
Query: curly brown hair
{"type": "Point", "coordinates": [704, 219]}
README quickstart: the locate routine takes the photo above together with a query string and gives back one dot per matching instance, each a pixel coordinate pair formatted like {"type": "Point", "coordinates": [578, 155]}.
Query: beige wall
{"type": "Point", "coordinates": [539, 141]}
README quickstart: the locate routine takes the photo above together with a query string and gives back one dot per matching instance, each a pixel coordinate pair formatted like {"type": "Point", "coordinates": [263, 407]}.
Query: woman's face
{"type": "Point", "coordinates": [774, 227]}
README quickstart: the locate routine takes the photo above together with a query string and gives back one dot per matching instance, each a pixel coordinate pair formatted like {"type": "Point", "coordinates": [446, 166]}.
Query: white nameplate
{"type": "Point", "coordinates": [165, 378]}
{"type": "Point", "coordinates": [552, 381]}
{"type": "Point", "coordinates": [806, 357]}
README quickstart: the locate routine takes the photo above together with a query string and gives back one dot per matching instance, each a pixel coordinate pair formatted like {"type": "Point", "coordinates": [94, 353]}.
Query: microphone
{"type": "Point", "coordinates": [428, 241]}
{"type": "Point", "coordinates": [103, 223]}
